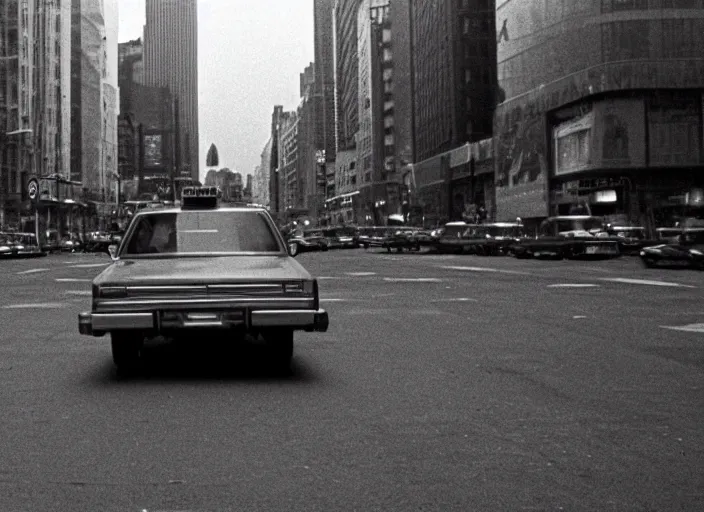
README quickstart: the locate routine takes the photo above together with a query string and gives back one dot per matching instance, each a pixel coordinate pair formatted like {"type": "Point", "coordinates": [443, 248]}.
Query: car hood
{"type": "Point", "coordinates": [224, 269]}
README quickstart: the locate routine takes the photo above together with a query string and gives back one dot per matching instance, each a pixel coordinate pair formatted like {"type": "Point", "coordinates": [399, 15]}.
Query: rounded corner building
{"type": "Point", "coordinates": [602, 107]}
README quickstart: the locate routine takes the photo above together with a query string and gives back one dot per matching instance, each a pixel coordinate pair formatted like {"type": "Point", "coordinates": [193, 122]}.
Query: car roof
{"type": "Point", "coordinates": [195, 209]}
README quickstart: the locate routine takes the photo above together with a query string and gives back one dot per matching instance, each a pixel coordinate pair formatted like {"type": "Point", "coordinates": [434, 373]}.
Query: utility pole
{"type": "Point", "coordinates": [177, 147]}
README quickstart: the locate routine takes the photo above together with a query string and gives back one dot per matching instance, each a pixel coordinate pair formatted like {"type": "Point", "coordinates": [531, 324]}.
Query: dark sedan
{"type": "Point", "coordinates": [572, 236]}
{"type": "Point", "coordinates": [687, 252]}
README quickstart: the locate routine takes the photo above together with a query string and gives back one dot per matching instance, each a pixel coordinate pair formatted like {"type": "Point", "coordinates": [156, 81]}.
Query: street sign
{"type": "Point", "coordinates": [33, 189]}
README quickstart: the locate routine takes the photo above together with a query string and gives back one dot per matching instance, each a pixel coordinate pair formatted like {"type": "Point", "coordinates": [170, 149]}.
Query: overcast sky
{"type": "Point", "coordinates": [250, 53]}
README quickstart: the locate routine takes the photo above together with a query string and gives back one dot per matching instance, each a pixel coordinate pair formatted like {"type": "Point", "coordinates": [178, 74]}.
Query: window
{"type": "Point", "coordinates": [198, 232]}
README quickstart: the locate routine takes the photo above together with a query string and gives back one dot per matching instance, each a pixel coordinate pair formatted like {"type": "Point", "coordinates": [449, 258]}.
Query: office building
{"type": "Point", "coordinates": [171, 60]}
{"type": "Point", "coordinates": [454, 94]}
{"type": "Point", "coordinates": [604, 115]}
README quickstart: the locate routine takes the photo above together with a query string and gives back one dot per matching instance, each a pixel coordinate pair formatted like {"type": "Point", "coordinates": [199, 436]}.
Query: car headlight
{"type": "Point", "coordinates": [111, 292]}
{"type": "Point", "coordinates": [696, 252]}
{"type": "Point", "coordinates": [302, 287]}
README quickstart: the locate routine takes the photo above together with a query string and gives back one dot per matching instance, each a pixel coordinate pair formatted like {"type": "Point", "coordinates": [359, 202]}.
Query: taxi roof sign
{"type": "Point", "coordinates": [199, 197]}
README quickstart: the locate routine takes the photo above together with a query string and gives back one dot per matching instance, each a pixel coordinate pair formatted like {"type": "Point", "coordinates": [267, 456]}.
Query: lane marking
{"type": "Point", "coordinates": [332, 300]}
{"type": "Point", "coordinates": [646, 282]}
{"type": "Point", "coordinates": [360, 274]}
{"type": "Point", "coordinates": [685, 328]}
{"type": "Point", "coordinates": [574, 285]}
{"type": "Point", "coordinates": [90, 265]}
{"type": "Point", "coordinates": [32, 271]}
{"type": "Point", "coordinates": [44, 305]}
{"type": "Point", "coordinates": [461, 299]}
{"type": "Point", "coordinates": [488, 270]}
{"type": "Point", "coordinates": [84, 293]}
{"type": "Point", "coordinates": [326, 278]}
{"type": "Point", "coordinates": [578, 317]}
{"type": "Point", "coordinates": [72, 280]}
{"type": "Point", "coordinates": [412, 280]}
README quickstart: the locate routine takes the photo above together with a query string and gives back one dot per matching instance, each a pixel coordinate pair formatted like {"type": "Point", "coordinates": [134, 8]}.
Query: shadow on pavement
{"type": "Point", "coordinates": [172, 362]}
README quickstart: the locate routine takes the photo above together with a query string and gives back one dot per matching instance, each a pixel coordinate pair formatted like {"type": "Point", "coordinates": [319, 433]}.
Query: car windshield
{"type": "Point", "coordinates": [198, 232]}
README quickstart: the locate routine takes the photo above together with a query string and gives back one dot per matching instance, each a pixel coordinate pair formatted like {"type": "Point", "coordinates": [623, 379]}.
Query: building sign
{"type": "Point", "coordinates": [619, 133]}
{"type": "Point", "coordinates": [674, 130]}
{"type": "Point", "coordinates": [153, 150]}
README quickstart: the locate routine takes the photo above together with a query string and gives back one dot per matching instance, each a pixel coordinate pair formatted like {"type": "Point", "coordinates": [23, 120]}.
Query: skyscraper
{"type": "Point", "coordinates": [171, 60]}
{"type": "Point", "coordinates": [325, 73]}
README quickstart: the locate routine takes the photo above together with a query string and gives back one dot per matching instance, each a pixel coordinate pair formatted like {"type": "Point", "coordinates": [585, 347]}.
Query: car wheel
{"type": "Point", "coordinates": [280, 348]}
{"type": "Point", "coordinates": [324, 247]}
{"type": "Point", "coordinates": [126, 350]}
{"type": "Point", "coordinates": [293, 249]}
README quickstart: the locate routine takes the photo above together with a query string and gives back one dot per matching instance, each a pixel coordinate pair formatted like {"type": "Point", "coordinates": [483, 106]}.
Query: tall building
{"type": "Point", "coordinates": [605, 114]}
{"type": "Point", "coordinates": [260, 187]}
{"type": "Point", "coordinates": [171, 60]}
{"type": "Point", "coordinates": [16, 105]}
{"type": "Point", "coordinates": [454, 94]}
{"type": "Point", "coordinates": [110, 107]}
{"type": "Point", "coordinates": [88, 71]}
{"type": "Point", "coordinates": [346, 82]}
{"type": "Point", "coordinates": [379, 184]}
{"type": "Point", "coordinates": [325, 81]}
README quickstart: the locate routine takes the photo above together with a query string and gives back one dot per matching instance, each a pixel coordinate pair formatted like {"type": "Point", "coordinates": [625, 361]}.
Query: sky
{"type": "Point", "coordinates": [250, 55]}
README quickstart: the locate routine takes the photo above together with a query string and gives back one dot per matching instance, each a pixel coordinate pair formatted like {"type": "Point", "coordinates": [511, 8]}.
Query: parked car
{"type": "Point", "coordinates": [19, 245]}
{"type": "Point", "coordinates": [687, 251]}
{"type": "Point", "coordinates": [497, 238]}
{"type": "Point", "coordinates": [570, 236]}
{"type": "Point", "coordinates": [307, 240]}
{"type": "Point", "coordinates": [342, 237]}
{"type": "Point", "coordinates": [201, 271]}
{"type": "Point", "coordinates": [456, 237]}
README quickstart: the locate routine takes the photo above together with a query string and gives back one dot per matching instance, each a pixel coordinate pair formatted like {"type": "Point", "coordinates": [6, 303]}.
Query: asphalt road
{"type": "Point", "coordinates": [444, 383]}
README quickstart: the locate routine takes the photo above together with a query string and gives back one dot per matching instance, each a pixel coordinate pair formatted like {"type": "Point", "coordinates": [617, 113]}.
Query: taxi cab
{"type": "Point", "coordinates": [202, 269]}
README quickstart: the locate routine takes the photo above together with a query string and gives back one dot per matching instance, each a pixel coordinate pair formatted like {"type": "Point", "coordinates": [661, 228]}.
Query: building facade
{"type": "Point", "coordinates": [613, 125]}
{"type": "Point", "coordinates": [325, 74]}
{"type": "Point", "coordinates": [260, 187]}
{"type": "Point", "coordinates": [171, 60]}
{"type": "Point", "coordinates": [454, 94]}
{"type": "Point", "coordinates": [16, 107]}
{"type": "Point", "coordinates": [345, 14]}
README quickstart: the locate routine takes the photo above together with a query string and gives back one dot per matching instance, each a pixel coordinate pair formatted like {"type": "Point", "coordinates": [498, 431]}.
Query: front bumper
{"type": "Point", "coordinates": [98, 324]}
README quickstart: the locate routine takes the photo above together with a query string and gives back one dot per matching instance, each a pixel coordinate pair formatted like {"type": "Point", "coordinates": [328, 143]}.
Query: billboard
{"type": "Point", "coordinates": [674, 130]}
{"type": "Point", "coordinates": [153, 150]}
{"type": "Point", "coordinates": [619, 133]}
{"type": "Point", "coordinates": [521, 162]}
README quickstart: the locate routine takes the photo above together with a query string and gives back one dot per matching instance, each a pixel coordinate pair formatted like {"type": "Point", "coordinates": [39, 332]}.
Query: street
{"type": "Point", "coordinates": [444, 383]}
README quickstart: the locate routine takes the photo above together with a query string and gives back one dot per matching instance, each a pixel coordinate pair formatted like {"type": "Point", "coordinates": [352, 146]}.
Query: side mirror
{"type": "Point", "coordinates": [293, 249]}
{"type": "Point", "coordinates": [112, 250]}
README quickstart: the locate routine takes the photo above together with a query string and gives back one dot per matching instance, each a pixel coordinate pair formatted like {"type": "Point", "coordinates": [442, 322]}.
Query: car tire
{"type": "Point", "coordinates": [280, 348]}
{"type": "Point", "coordinates": [126, 350]}
{"type": "Point", "coordinates": [324, 247]}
